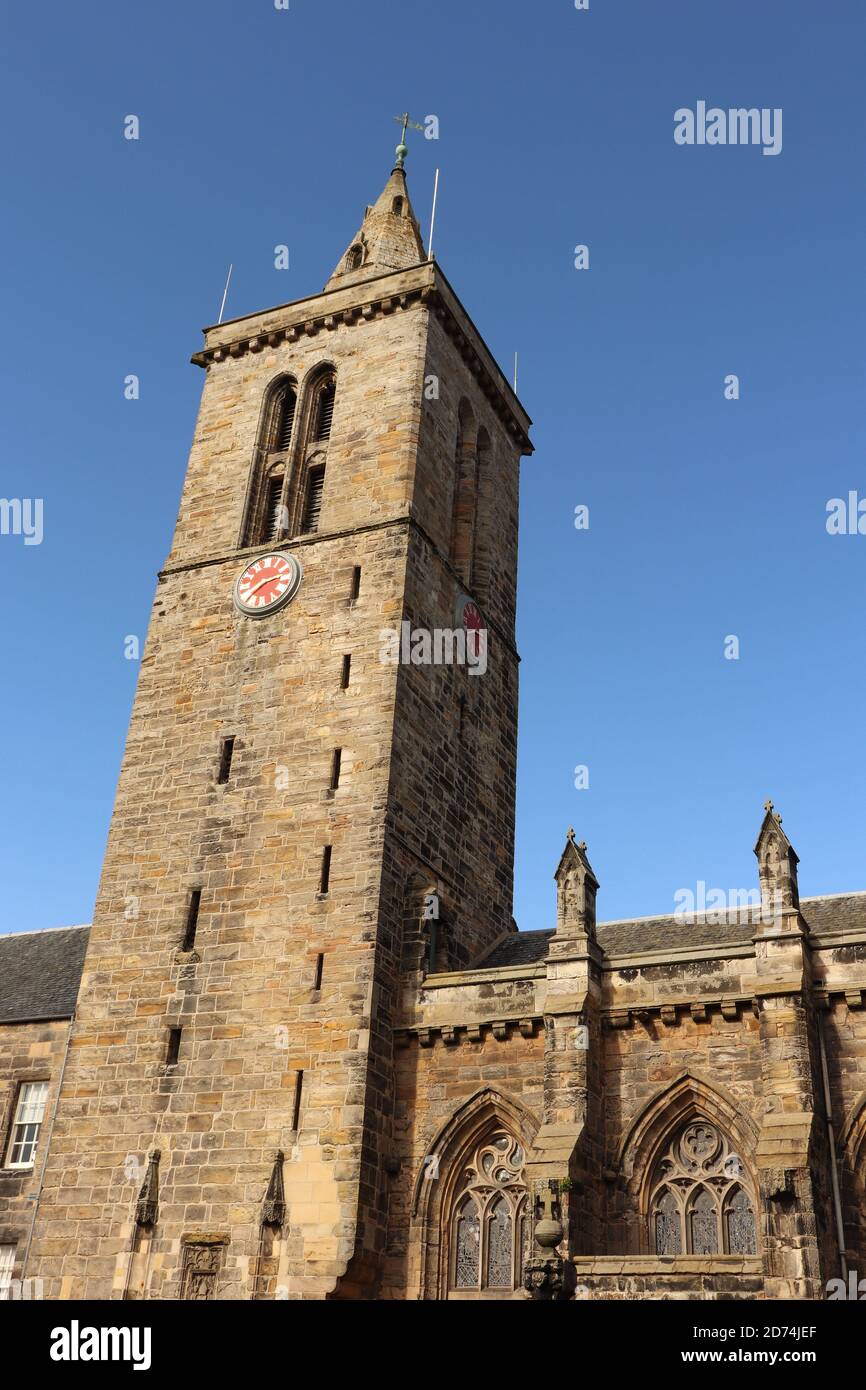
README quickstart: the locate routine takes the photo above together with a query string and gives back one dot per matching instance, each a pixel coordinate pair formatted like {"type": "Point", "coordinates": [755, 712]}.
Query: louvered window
{"type": "Point", "coordinates": [273, 509]}
{"type": "Point", "coordinates": [286, 419]}
{"type": "Point", "coordinates": [313, 505]}
{"type": "Point", "coordinates": [325, 411]}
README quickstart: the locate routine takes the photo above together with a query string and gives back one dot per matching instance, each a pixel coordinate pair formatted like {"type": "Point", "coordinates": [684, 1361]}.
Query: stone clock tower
{"type": "Point", "coordinates": [304, 825]}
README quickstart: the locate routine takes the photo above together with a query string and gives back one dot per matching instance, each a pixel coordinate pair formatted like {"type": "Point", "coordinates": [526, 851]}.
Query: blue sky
{"type": "Point", "coordinates": [707, 516]}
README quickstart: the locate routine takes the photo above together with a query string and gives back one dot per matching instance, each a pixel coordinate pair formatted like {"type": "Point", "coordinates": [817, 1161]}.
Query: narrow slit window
{"type": "Point", "coordinates": [313, 502]}
{"type": "Point", "coordinates": [336, 760]}
{"type": "Point", "coordinates": [345, 672]}
{"type": "Point", "coordinates": [325, 877]}
{"type": "Point", "coordinates": [286, 419]}
{"type": "Point", "coordinates": [226, 754]}
{"type": "Point", "coordinates": [274, 511]}
{"type": "Point", "coordinates": [299, 1091]}
{"type": "Point", "coordinates": [173, 1049]}
{"type": "Point", "coordinates": [191, 919]}
{"type": "Point", "coordinates": [325, 411]}
{"type": "Point", "coordinates": [356, 584]}
{"type": "Point", "coordinates": [320, 966]}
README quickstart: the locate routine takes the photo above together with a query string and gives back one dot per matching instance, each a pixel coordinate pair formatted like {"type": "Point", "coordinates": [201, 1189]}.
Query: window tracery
{"type": "Point", "coordinates": [700, 1202]}
{"type": "Point", "coordinates": [488, 1218]}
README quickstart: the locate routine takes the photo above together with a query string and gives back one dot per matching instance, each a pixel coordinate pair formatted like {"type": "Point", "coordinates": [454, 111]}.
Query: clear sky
{"type": "Point", "coordinates": [261, 127]}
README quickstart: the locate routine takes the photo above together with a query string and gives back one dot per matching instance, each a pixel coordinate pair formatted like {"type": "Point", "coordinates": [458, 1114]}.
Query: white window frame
{"type": "Point", "coordinates": [7, 1265]}
{"type": "Point", "coordinates": [29, 1116]}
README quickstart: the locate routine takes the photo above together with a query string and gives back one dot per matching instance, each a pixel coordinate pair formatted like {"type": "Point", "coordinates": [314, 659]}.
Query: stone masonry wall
{"type": "Point", "coordinates": [28, 1052]}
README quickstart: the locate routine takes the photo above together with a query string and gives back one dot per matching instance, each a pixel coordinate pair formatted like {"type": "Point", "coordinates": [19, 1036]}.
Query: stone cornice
{"type": "Point", "coordinates": [451, 1034]}
{"type": "Point", "coordinates": [422, 285]}
{"type": "Point", "coordinates": [457, 979]}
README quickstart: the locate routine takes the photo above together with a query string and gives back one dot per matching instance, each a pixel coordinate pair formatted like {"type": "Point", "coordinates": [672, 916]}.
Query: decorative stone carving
{"type": "Point", "coordinates": [202, 1262]}
{"type": "Point", "coordinates": [577, 887]}
{"type": "Point", "coordinates": [777, 1184]}
{"type": "Point", "coordinates": [544, 1276]}
{"type": "Point", "coordinates": [147, 1205]}
{"type": "Point", "coordinates": [274, 1204]}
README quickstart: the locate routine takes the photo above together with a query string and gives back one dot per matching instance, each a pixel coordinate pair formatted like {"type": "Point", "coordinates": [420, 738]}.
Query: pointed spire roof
{"type": "Point", "coordinates": [771, 827]}
{"type": "Point", "coordinates": [576, 888]}
{"type": "Point", "coordinates": [389, 237]}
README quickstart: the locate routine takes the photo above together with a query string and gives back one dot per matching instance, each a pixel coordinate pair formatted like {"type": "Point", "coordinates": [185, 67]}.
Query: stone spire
{"type": "Point", "coordinates": [389, 237]}
{"type": "Point", "coordinates": [777, 866]}
{"type": "Point", "coordinates": [576, 889]}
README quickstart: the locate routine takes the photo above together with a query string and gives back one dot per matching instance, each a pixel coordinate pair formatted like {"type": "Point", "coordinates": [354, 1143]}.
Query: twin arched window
{"type": "Point", "coordinates": [700, 1200]}
{"type": "Point", "coordinates": [488, 1220]}
{"type": "Point", "coordinates": [288, 484]}
{"type": "Point", "coordinates": [470, 520]}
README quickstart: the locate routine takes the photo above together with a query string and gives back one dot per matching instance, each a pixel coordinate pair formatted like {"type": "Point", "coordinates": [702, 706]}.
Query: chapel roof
{"type": "Point", "coordinates": [833, 914]}
{"type": "Point", "coordinates": [40, 972]}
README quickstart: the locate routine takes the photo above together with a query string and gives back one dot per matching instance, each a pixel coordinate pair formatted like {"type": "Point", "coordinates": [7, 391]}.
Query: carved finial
{"type": "Point", "coordinates": [274, 1204]}
{"type": "Point", "coordinates": [768, 805]}
{"type": "Point", "coordinates": [147, 1205]}
{"type": "Point", "coordinates": [582, 846]}
{"type": "Point", "coordinates": [571, 833]}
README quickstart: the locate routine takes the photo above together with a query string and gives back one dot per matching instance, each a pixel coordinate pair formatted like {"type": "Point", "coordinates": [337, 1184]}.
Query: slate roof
{"type": "Point", "coordinates": [40, 972]}
{"type": "Point", "coordinates": [840, 912]}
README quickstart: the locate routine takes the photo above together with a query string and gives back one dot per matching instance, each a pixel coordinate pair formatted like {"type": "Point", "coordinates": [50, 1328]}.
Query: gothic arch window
{"type": "Point", "coordinates": [481, 557]}
{"type": "Point", "coordinates": [267, 514]}
{"type": "Point", "coordinates": [355, 257]}
{"type": "Point", "coordinates": [285, 417]}
{"type": "Point", "coordinates": [323, 409]}
{"type": "Point", "coordinates": [487, 1220]}
{"type": "Point", "coordinates": [700, 1201]}
{"type": "Point", "coordinates": [464, 496]}
{"type": "Point", "coordinates": [397, 206]}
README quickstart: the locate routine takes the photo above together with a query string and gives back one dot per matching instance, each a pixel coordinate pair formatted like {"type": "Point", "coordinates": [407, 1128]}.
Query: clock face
{"type": "Point", "coordinates": [470, 617]}
{"type": "Point", "coordinates": [267, 584]}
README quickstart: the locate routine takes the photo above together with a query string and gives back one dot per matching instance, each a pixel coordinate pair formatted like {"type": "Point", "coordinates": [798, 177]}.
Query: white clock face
{"type": "Point", "coordinates": [267, 584]}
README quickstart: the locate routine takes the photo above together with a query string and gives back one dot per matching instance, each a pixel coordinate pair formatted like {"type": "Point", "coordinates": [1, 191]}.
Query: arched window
{"type": "Point", "coordinates": [267, 510]}
{"type": "Point", "coordinates": [699, 1202]}
{"type": "Point", "coordinates": [313, 499]}
{"type": "Point", "coordinates": [285, 418]}
{"type": "Point", "coordinates": [668, 1227]}
{"type": "Point", "coordinates": [739, 1221]}
{"type": "Point", "coordinates": [464, 495]}
{"type": "Point", "coordinates": [397, 207]}
{"type": "Point", "coordinates": [487, 1223]}
{"type": "Point", "coordinates": [355, 257]}
{"type": "Point", "coordinates": [484, 519]}
{"type": "Point", "coordinates": [275, 516]}
{"type": "Point", "coordinates": [324, 410]}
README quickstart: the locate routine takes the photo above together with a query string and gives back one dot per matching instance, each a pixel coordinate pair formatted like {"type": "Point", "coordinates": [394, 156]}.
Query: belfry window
{"type": "Point", "coordinates": [285, 418]}
{"type": "Point", "coordinates": [313, 499]}
{"type": "Point", "coordinates": [355, 258]}
{"type": "Point", "coordinates": [324, 411]}
{"type": "Point", "coordinates": [274, 510]}
{"type": "Point", "coordinates": [700, 1202]}
{"type": "Point", "coordinates": [488, 1216]}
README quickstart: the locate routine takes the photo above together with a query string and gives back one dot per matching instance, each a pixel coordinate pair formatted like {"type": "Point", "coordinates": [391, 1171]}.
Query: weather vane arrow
{"type": "Point", "coordinates": [403, 149]}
